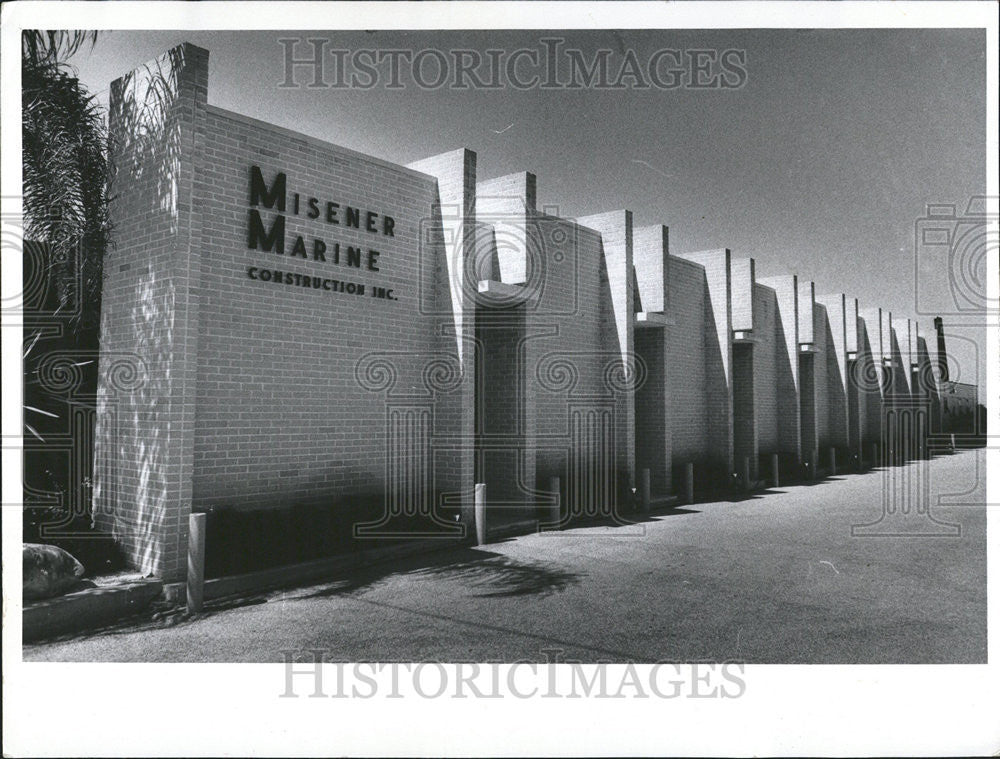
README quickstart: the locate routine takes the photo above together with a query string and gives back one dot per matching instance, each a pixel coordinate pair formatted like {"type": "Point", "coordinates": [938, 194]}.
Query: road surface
{"type": "Point", "coordinates": [775, 578]}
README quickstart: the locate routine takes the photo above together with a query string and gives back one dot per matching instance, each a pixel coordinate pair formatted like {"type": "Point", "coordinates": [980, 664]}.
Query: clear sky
{"type": "Point", "coordinates": [820, 164]}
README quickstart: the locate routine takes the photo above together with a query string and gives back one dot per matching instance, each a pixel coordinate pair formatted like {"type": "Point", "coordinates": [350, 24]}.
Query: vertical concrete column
{"type": "Point", "coordinates": [775, 478]}
{"type": "Point", "coordinates": [480, 513]}
{"type": "Point", "coordinates": [689, 481]}
{"type": "Point", "coordinates": [555, 510]}
{"type": "Point", "coordinates": [144, 451]}
{"type": "Point", "coordinates": [196, 562]}
{"type": "Point", "coordinates": [833, 461]}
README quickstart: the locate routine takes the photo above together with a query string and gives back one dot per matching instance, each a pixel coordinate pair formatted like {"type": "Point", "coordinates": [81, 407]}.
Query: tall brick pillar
{"type": "Point", "coordinates": [719, 358]}
{"type": "Point", "coordinates": [149, 320]}
{"type": "Point", "coordinates": [787, 374]}
{"type": "Point", "coordinates": [744, 372]}
{"type": "Point", "coordinates": [456, 175]}
{"type": "Point", "coordinates": [653, 419]}
{"type": "Point", "coordinates": [615, 228]}
{"type": "Point", "coordinates": [837, 350]}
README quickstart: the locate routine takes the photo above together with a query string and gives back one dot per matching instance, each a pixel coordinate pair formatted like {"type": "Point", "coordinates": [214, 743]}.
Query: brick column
{"type": "Point", "coordinates": [456, 175]}
{"type": "Point", "coordinates": [718, 355]}
{"type": "Point", "coordinates": [615, 228]}
{"type": "Point", "coordinates": [145, 429]}
{"type": "Point", "coordinates": [654, 424]}
{"type": "Point", "coordinates": [787, 377]}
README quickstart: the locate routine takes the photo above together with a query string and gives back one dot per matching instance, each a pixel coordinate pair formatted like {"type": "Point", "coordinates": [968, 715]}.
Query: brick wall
{"type": "Point", "coordinates": [271, 357]}
{"type": "Point", "coordinates": [701, 400]}
{"type": "Point", "coordinates": [767, 389]}
{"type": "Point", "coordinates": [654, 417]}
{"type": "Point", "coordinates": [717, 336]}
{"type": "Point", "coordinates": [743, 280]}
{"type": "Point", "coordinates": [146, 420]}
{"type": "Point", "coordinates": [263, 394]}
{"type": "Point", "coordinates": [456, 291]}
{"type": "Point", "coordinates": [869, 376]}
{"type": "Point", "coordinates": [650, 246]}
{"type": "Point", "coordinates": [821, 336]}
{"type": "Point", "coordinates": [582, 406]}
{"type": "Point", "coordinates": [809, 367]}
{"type": "Point", "coordinates": [223, 387]}
{"type": "Point", "coordinates": [787, 374]}
{"type": "Point", "coordinates": [744, 372]}
{"type": "Point", "coordinates": [615, 229]}
{"type": "Point", "coordinates": [836, 369]}
{"type": "Point", "coordinates": [744, 409]}
{"type": "Point", "coordinates": [500, 411]}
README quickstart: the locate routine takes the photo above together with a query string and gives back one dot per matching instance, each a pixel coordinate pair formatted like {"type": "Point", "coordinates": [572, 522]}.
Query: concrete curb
{"type": "Point", "coordinates": [86, 608]}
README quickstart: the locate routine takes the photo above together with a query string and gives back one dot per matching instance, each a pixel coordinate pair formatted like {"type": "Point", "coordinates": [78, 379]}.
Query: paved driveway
{"type": "Point", "coordinates": [773, 578]}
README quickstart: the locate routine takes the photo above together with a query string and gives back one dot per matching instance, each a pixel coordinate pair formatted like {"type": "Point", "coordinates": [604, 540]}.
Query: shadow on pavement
{"type": "Point", "coordinates": [495, 575]}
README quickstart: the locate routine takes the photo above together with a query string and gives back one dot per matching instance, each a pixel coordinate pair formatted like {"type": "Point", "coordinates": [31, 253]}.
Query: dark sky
{"type": "Point", "coordinates": [821, 164]}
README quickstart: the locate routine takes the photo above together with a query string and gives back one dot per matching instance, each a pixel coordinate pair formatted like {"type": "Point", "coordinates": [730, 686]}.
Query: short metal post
{"type": "Point", "coordinates": [953, 442]}
{"type": "Point", "coordinates": [689, 483]}
{"type": "Point", "coordinates": [555, 510]}
{"type": "Point", "coordinates": [480, 513]}
{"type": "Point", "coordinates": [644, 491]}
{"type": "Point", "coordinates": [775, 481]}
{"type": "Point", "coordinates": [196, 562]}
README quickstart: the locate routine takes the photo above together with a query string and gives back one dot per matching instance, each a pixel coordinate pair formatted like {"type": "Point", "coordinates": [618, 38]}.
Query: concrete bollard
{"type": "Point", "coordinates": [689, 483]}
{"type": "Point", "coordinates": [196, 562]}
{"type": "Point", "coordinates": [775, 480]}
{"type": "Point", "coordinates": [746, 474]}
{"type": "Point", "coordinates": [555, 510]}
{"type": "Point", "coordinates": [833, 461]}
{"type": "Point", "coordinates": [644, 491]}
{"type": "Point", "coordinates": [480, 513]}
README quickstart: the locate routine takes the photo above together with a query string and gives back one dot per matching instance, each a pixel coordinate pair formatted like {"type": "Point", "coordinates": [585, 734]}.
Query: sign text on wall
{"type": "Point", "coordinates": [272, 237]}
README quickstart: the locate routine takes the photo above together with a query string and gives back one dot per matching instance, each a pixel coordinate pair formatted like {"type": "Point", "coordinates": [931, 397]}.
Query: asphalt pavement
{"type": "Point", "coordinates": [852, 569]}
